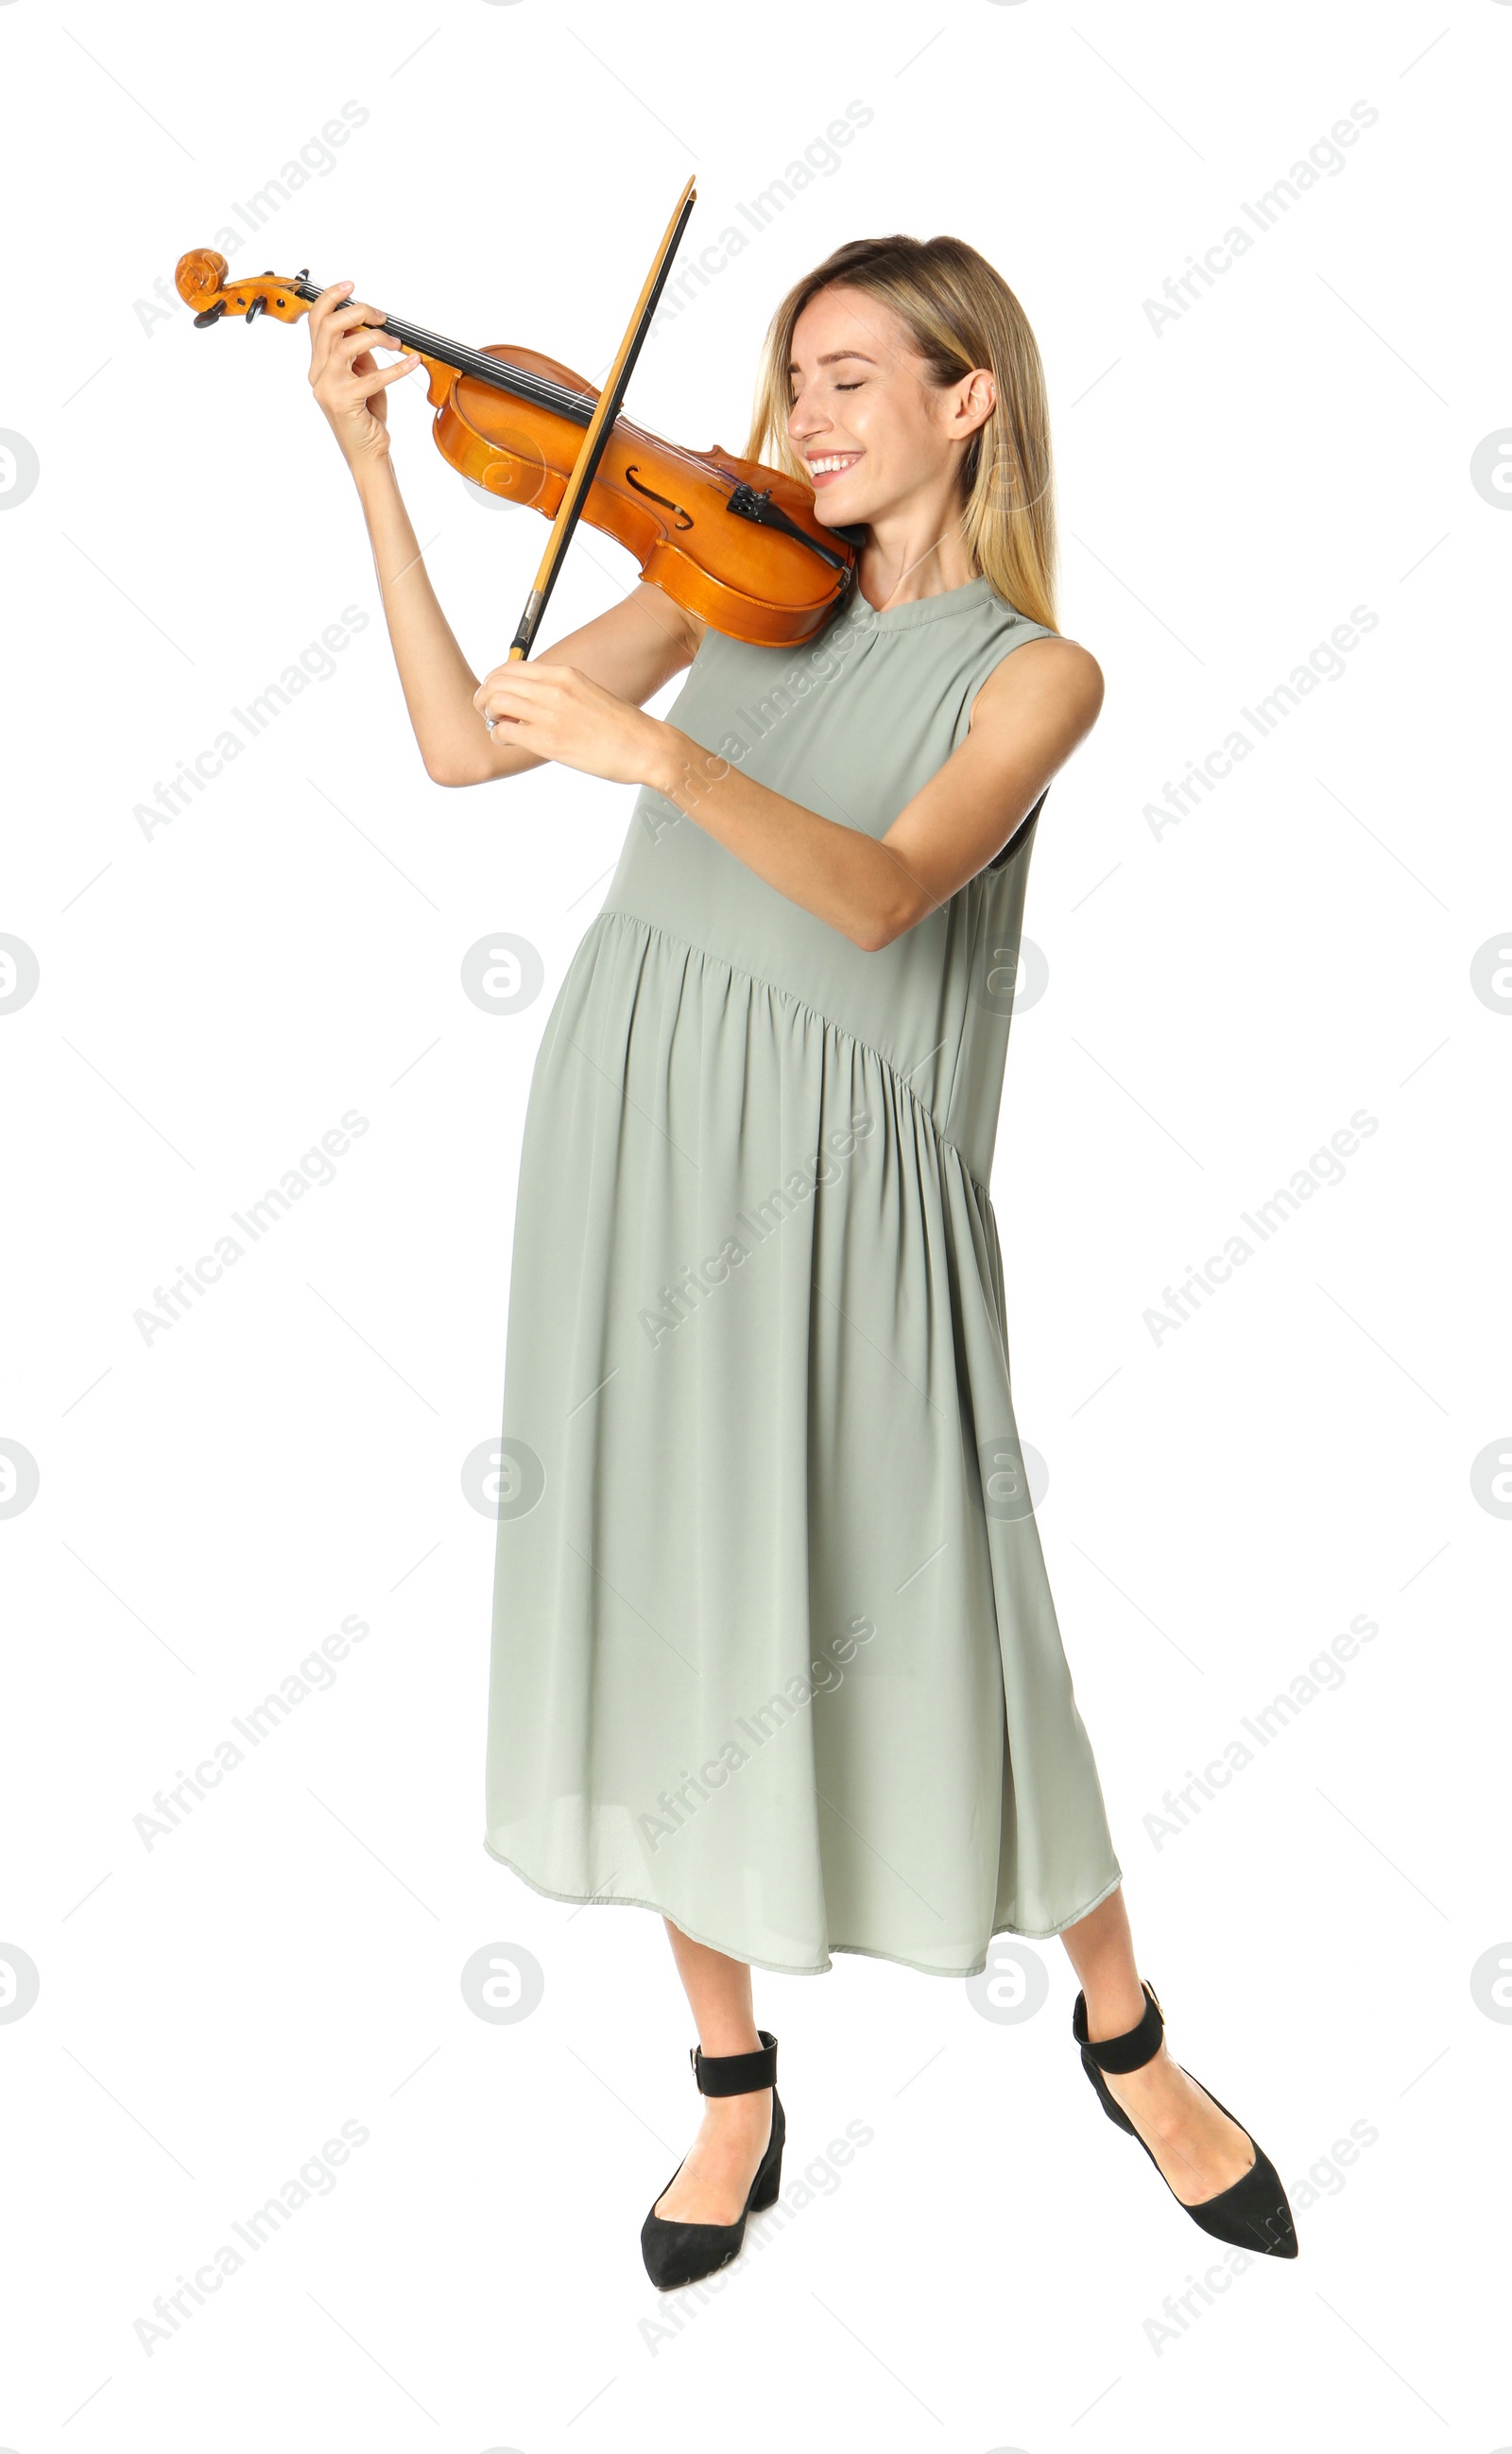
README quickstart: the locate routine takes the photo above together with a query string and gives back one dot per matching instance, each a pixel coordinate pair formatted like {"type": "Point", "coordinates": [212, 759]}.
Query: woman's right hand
{"type": "Point", "coordinates": [347, 379]}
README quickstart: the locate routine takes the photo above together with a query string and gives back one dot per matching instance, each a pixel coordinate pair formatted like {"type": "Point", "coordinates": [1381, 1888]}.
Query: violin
{"type": "Point", "coordinates": [736, 544]}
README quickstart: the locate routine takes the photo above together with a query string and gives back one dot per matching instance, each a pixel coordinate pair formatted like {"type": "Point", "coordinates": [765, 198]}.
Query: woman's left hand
{"type": "Point", "coordinates": [557, 713]}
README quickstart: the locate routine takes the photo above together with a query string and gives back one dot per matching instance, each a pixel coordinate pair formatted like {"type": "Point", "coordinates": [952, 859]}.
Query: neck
{"type": "Point", "coordinates": [916, 551]}
{"type": "Point", "coordinates": [483, 365]}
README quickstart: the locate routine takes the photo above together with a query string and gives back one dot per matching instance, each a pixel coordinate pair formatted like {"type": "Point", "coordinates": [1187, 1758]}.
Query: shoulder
{"type": "Point", "coordinates": [1056, 677]}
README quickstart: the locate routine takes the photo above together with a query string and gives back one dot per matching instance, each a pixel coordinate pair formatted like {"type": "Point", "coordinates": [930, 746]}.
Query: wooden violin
{"type": "Point", "coordinates": [734, 543]}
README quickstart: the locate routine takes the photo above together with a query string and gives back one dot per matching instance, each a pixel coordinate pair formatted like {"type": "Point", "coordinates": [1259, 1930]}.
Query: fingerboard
{"type": "Point", "coordinates": [578, 406]}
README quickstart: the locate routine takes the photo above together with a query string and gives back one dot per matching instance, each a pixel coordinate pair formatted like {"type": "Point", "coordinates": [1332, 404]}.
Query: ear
{"type": "Point", "coordinates": [976, 399]}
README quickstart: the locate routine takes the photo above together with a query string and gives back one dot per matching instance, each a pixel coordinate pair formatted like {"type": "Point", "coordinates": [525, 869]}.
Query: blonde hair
{"type": "Point", "coordinates": [959, 314]}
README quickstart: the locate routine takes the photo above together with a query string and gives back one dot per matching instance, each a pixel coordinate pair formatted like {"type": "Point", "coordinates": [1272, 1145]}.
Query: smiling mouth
{"type": "Point", "coordinates": [828, 465]}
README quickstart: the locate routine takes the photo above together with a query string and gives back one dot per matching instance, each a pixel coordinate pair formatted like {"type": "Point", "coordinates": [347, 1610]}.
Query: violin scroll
{"type": "Point", "coordinates": [200, 276]}
{"type": "Point", "coordinates": [740, 546]}
{"type": "Point", "coordinates": [200, 280]}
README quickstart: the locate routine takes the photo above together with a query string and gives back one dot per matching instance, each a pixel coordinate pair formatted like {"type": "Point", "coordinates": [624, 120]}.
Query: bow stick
{"type": "Point", "coordinates": [599, 430]}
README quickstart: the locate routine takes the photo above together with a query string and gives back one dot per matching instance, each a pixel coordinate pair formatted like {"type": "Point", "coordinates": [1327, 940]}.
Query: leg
{"type": "Point", "coordinates": [712, 2183]}
{"type": "Point", "coordinates": [1197, 2147]}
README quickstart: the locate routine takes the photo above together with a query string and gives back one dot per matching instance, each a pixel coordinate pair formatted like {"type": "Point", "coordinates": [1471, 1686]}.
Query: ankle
{"type": "Point", "coordinates": [751, 2106]}
{"type": "Point", "coordinates": [725, 2039]}
{"type": "Point", "coordinates": [1113, 2009]}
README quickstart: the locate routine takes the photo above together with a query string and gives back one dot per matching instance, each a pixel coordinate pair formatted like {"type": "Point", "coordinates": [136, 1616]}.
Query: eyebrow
{"type": "Point", "coordinates": [836, 357]}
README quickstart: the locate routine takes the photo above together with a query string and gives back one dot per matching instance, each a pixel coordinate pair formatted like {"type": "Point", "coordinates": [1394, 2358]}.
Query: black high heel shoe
{"type": "Point", "coordinates": [1252, 2213]}
{"type": "Point", "coordinates": [682, 2253]}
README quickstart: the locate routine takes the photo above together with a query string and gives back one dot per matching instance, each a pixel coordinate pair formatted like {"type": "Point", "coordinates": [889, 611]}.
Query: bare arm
{"type": "Point", "coordinates": [630, 651]}
{"type": "Point", "coordinates": [1029, 716]}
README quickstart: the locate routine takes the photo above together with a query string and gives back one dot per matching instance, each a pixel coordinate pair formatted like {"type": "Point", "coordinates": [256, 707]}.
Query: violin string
{"type": "Point", "coordinates": [502, 375]}
{"type": "Point", "coordinates": [497, 373]}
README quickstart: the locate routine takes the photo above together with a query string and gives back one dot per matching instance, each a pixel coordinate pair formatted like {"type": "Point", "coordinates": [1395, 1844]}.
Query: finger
{"type": "Point", "coordinates": [515, 719]}
{"type": "Point", "coordinates": [493, 713]}
{"type": "Point", "coordinates": [565, 680]}
{"type": "Point", "coordinates": [345, 349]}
{"type": "Point", "coordinates": [513, 673]}
{"type": "Point", "coordinates": [542, 679]}
{"type": "Point", "coordinates": [326, 306]}
{"type": "Point", "coordinates": [365, 324]}
{"type": "Point", "coordinates": [519, 697]}
{"type": "Point", "coordinates": [320, 314]}
{"type": "Point", "coordinates": [350, 319]}
{"type": "Point", "coordinates": [344, 346]}
{"type": "Point", "coordinates": [516, 669]}
{"type": "Point", "coordinates": [384, 376]}
{"type": "Point", "coordinates": [330, 297]}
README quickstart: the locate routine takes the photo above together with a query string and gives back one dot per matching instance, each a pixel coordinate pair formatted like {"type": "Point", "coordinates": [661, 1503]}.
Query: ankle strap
{"type": "Point", "coordinates": [736, 2074]}
{"type": "Point", "coordinates": [1138, 2045]}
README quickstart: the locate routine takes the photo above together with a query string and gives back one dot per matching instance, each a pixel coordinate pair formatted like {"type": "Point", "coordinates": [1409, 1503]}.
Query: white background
{"type": "Point", "coordinates": [1221, 997]}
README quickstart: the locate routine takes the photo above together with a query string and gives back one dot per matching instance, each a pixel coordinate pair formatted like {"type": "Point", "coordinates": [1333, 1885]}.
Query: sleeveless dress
{"type": "Point", "coordinates": [773, 1649]}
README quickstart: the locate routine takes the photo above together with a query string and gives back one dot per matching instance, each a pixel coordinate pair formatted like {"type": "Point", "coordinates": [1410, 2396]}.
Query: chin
{"type": "Point", "coordinates": [843, 508]}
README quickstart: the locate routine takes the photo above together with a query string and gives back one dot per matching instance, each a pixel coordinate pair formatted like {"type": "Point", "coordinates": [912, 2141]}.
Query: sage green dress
{"type": "Point", "coordinates": [774, 1651]}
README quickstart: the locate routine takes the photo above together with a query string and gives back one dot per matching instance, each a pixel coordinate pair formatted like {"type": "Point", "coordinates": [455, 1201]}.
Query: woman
{"type": "Point", "coordinates": [774, 1651]}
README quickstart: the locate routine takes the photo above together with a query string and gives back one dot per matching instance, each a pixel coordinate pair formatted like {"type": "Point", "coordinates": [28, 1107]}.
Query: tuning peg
{"type": "Point", "coordinates": [258, 306]}
{"type": "Point", "coordinates": [211, 315]}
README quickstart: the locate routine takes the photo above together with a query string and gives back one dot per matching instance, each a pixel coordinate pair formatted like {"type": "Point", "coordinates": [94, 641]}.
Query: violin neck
{"type": "Point", "coordinates": [518, 381]}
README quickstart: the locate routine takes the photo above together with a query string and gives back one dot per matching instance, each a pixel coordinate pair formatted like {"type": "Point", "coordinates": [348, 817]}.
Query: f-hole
{"type": "Point", "coordinates": [683, 519]}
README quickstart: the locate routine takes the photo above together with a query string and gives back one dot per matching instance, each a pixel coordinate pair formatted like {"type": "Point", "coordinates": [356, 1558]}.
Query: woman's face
{"type": "Point", "coordinates": [876, 435]}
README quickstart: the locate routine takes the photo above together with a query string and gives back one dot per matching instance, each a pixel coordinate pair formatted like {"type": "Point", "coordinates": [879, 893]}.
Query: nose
{"type": "Point", "coordinates": [804, 418]}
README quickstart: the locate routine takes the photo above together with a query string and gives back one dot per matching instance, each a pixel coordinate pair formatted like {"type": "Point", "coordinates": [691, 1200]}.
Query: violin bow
{"type": "Point", "coordinates": [599, 429]}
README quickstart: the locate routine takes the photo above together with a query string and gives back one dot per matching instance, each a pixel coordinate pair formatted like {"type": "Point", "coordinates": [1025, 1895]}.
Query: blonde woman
{"type": "Point", "coordinates": [774, 1651]}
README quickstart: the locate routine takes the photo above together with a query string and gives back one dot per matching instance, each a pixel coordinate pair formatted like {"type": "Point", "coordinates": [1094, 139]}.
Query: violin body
{"type": "Point", "coordinates": [664, 505]}
{"type": "Point", "coordinates": [737, 545]}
